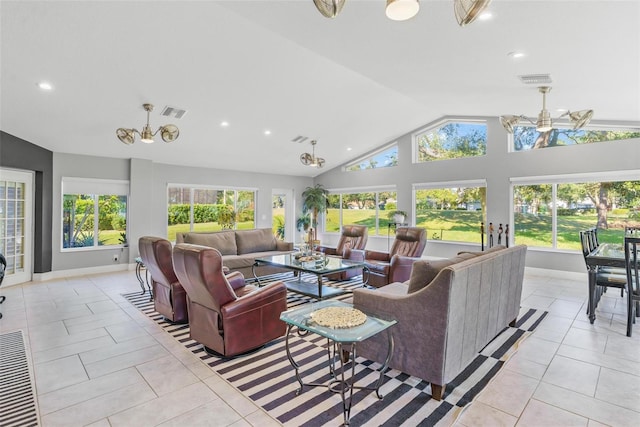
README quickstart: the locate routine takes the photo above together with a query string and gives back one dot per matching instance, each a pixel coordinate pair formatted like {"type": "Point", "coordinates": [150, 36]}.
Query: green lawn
{"type": "Point", "coordinates": [464, 226]}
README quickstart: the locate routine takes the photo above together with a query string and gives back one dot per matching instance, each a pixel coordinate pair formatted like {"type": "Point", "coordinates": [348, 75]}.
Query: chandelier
{"type": "Point", "coordinates": [311, 159]}
{"type": "Point", "coordinates": [544, 123]}
{"type": "Point", "coordinates": [169, 133]}
{"type": "Point", "coordinates": [466, 11]}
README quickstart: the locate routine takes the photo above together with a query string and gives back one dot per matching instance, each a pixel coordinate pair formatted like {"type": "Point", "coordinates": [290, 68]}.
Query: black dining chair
{"type": "Point", "coordinates": [606, 277]}
{"type": "Point", "coordinates": [3, 267]}
{"type": "Point", "coordinates": [631, 244]}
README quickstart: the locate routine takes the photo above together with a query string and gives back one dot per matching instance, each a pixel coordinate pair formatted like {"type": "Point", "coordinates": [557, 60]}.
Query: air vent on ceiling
{"type": "Point", "coordinates": [535, 79]}
{"type": "Point", "coordinates": [300, 139]}
{"type": "Point", "coordinates": [174, 112]}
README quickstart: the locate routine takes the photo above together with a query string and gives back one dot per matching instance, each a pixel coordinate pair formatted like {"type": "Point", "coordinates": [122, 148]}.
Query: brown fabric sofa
{"type": "Point", "coordinates": [169, 298]}
{"type": "Point", "coordinates": [240, 248]}
{"type": "Point", "coordinates": [227, 316]}
{"type": "Point", "coordinates": [447, 312]}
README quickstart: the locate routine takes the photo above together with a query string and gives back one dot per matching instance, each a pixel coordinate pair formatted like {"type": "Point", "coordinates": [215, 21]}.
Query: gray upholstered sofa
{"type": "Point", "coordinates": [447, 312]}
{"type": "Point", "coordinates": [240, 248]}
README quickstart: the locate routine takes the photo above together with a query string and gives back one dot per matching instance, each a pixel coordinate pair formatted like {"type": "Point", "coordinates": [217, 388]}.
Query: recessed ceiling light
{"type": "Point", "coordinates": [516, 55]}
{"type": "Point", "coordinates": [45, 86]}
{"type": "Point", "coordinates": [267, 132]}
{"type": "Point", "coordinates": [224, 124]}
{"type": "Point", "coordinates": [348, 148]}
{"type": "Point", "coordinates": [485, 16]}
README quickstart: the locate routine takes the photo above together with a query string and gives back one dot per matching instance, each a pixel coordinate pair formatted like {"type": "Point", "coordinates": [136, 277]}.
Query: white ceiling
{"type": "Point", "coordinates": [357, 81]}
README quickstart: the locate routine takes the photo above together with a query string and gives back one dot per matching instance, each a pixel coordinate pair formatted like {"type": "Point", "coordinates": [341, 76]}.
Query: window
{"type": "Point", "coordinates": [208, 209]}
{"type": "Point", "coordinates": [551, 215]}
{"type": "Point", "coordinates": [451, 140]}
{"type": "Point", "coordinates": [94, 213]}
{"type": "Point", "coordinates": [451, 212]}
{"type": "Point", "coordinates": [528, 138]}
{"type": "Point", "coordinates": [368, 208]}
{"type": "Point", "coordinates": [387, 157]}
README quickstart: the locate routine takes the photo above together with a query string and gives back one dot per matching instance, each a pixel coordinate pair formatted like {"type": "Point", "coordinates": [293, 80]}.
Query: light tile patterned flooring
{"type": "Point", "coordinates": [99, 362]}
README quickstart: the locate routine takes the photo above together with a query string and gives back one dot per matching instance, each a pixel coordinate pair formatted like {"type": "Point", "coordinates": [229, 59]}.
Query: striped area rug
{"type": "Point", "coordinates": [267, 378]}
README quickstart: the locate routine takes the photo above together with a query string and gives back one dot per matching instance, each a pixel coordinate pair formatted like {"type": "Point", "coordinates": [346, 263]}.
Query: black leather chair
{"type": "Point", "coordinates": [606, 277]}
{"type": "Point", "coordinates": [3, 267]}
{"type": "Point", "coordinates": [631, 243]}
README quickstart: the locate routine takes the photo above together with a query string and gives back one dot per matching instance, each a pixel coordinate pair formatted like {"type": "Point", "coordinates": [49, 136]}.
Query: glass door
{"type": "Point", "coordinates": [15, 224]}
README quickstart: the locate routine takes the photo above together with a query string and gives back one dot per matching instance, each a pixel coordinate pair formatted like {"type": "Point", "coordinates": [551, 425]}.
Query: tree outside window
{"type": "Point", "coordinates": [451, 140]}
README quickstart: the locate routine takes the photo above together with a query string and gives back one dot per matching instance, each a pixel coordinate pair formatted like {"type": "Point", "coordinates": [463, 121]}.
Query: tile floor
{"type": "Point", "coordinates": [99, 362]}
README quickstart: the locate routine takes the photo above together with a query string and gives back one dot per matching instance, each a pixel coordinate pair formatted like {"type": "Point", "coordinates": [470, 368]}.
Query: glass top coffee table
{"type": "Point", "coordinates": [318, 265]}
{"type": "Point", "coordinates": [341, 347]}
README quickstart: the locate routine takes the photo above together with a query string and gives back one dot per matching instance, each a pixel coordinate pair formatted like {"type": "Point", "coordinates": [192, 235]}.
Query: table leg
{"type": "Point", "coordinates": [319, 286]}
{"type": "Point", "coordinates": [139, 276]}
{"type": "Point", "coordinates": [146, 278]}
{"type": "Point", "coordinates": [592, 293]}
{"type": "Point", "coordinates": [253, 270]}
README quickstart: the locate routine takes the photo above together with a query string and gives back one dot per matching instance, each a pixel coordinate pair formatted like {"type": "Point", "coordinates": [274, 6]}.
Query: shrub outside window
{"type": "Point", "coordinates": [528, 138]}
{"type": "Point", "coordinates": [553, 214]}
{"type": "Point", "coordinates": [360, 208]}
{"type": "Point", "coordinates": [451, 140]}
{"type": "Point", "coordinates": [208, 209]}
{"type": "Point", "coordinates": [451, 213]}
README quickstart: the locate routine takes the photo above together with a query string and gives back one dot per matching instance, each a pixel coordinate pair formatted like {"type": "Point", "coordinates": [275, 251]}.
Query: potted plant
{"type": "Point", "coordinates": [398, 217]}
{"type": "Point", "coordinates": [315, 201]}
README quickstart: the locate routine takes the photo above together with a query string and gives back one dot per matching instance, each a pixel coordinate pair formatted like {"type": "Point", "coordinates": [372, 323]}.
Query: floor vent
{"type": "Point", "coordinates": [17, 399]}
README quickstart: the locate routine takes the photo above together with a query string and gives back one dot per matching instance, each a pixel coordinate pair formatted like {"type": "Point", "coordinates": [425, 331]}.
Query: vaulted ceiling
{"type": "Point", "coordinates": [353, 83]}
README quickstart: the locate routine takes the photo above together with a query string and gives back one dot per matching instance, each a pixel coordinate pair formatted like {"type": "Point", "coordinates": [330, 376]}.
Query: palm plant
{"type": "Point", "coordinates": [315, 200]}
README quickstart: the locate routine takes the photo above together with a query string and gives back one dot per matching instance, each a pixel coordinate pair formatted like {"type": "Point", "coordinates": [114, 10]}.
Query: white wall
{"type": "Point", "coordinates": [497, 167]}
{"type": "Point", "coordinates": [148, 199]}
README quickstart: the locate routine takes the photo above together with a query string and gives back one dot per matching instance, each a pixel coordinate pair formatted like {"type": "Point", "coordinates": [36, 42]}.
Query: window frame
{"type": "Point", "coordinates": [440, 123]}
{"type": "Point", "coordinates": [193, 187]}
{"type": "Point", "coordinates": [447, 185]}
{"type": "Point", "coordinates": [563, 124]}
{"type": "Point", "coordinates": [554, 181]}
{"type": "Point", "coordinates": [96, 188]}
{"type": "Point", "coordinates": [352, 190]}
{"type": "Point", "coordinates": [369, 156]}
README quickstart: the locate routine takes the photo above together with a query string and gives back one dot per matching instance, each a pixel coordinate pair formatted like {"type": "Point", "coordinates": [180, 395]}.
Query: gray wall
{"type": "Point", "coordinates": [148, 199]}
{"type": "Point", "coordinates": [497, 167]}
{"type": "Point", "coordinates": [17, 153]}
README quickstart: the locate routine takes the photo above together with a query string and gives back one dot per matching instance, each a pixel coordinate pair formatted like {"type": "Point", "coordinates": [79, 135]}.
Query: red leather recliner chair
{"type": "Point", "coordinates": [395, 265]}
{"type": "Point", "coordinates": [169, 298]}
{"type": "Point", "coordinates": [351, 246]}
{"type": "Point", "coordinates": [227, 316]}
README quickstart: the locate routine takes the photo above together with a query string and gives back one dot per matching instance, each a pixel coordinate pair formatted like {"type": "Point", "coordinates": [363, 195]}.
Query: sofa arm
{"type": "Point", "coordinates": [273, 293]}
{"type": "Point", "coordinates": [377, 256]}
{"type": "Point", "coordinates": [400, 268]}
{"type": "Point", "coordinates": [284, 246]}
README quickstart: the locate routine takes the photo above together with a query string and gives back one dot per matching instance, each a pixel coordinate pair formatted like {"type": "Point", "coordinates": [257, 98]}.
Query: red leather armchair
{"type": "Point", "coordinates": [395, 265]}
{"type": "Point", "coordinates": [226, 316]}
{"type": "Point", "coordinates": [351, 246]}
{"type": "Point", "coordinates": [169, 298]}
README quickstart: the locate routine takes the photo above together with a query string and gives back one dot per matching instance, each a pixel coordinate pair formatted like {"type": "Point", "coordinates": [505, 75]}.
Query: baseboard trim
{"type": "Point", "coordinates": [60, 274]}
{"type": "Point", "coordinates": [558, 274]}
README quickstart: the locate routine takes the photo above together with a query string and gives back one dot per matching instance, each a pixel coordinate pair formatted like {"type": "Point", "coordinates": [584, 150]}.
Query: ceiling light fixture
{"type": "Point", "coordinates": [311, 159]}
{"type": "Point", "coordinates": [169, 133]}
{"type": "Point", "coordinates": [401, 10]}
{"type": "Point", "coordinates": [329, 8]}
{"type": "Point", "coordinates": [466, 11]}
{"type": "Point", "coordinates": [544, 123]}
{"type": "Point", "coordinates": [45, 86]}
